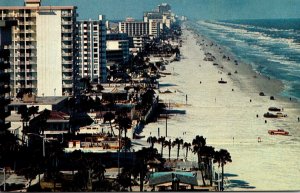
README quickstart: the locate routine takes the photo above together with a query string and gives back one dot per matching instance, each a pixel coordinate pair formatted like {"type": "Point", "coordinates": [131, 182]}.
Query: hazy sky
{"type": "Point", "coordinates": [197, 9]}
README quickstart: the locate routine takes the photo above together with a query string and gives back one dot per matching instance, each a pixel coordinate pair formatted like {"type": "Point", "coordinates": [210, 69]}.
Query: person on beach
{"type": "Point", "coordinates": [298, 119]}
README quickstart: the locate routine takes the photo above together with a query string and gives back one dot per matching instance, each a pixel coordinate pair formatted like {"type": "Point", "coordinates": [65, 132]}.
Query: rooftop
{"type": "Point", "coordinates": [49, 100]}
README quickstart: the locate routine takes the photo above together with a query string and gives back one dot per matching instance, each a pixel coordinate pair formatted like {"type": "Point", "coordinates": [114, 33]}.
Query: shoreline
{"type": "Point", "coordinates": [274, 87]}
{"type": "Point", "coordinates": [228, 120]}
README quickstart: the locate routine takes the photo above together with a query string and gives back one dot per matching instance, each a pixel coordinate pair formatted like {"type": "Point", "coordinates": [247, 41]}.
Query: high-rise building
{"type": "Point", "coordinates": [43, 52]}
{"type": "Point", "coordinates": [117, 51]}
{"type": "Point", "coordinates": [92, 49]}
{"type": "Point", "coordinates": [134, 28]}
{"type": "Point", "coordinates": [164, 7]}
{"type": "Point", "coordinates": [117, 47]}
{"type": "Point", "coordinates": [5, 40]}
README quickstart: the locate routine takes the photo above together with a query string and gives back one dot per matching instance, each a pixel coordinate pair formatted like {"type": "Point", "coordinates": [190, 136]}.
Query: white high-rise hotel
{"type": "Point", "coordinates": [43, 51]}
{"type": "Point", "coordinates": [92, 49]}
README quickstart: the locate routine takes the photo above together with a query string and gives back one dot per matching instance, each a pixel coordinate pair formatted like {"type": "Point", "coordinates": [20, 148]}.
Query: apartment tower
{"type": "Point", "coordinates": [43, 51]}
{"type": "Point", "coordinates": [92, 49]}
{"type": "Point", "coordinates": [5, 40]}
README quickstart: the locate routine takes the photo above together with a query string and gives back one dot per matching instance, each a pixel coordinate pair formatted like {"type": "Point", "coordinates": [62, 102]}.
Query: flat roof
{"type": "Point", "coordinates": [36, 8]}
{"type": "Point", "coordinates": [49, 100]}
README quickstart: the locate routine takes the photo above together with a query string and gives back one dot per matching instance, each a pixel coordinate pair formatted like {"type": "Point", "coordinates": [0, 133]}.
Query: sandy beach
{"type": "Point", "coordinates": [226, 115]}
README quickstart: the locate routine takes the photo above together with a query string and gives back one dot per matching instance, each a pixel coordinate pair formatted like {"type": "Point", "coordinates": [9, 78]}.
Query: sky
{"type": "Point", "coordinates": [193, 9]}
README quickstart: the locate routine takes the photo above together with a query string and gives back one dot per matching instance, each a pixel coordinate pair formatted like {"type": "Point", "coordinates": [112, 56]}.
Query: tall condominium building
{"type": "Point", "coordinates": [154, 27]}
{"type": "Point", "coordinates": [43, 51]}
{"type": "Point", "coordinates": [92, 49]}
{"type": "Point", "coordinates": [117, 51]}
{"type": "Point", "coordinates": [5, 40]}
{"type": "Point", "coordinates": [134, 28]}
{"type": "Point", "coordinates": [164, 7]}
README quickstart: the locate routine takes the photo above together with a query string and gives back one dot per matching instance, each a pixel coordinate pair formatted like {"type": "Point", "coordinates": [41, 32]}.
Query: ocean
{"type": "Point", "coordinates": [270, 46]}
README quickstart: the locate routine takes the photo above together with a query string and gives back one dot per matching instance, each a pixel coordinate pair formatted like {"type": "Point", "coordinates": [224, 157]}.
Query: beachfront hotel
{"type": "Point", "coordinates": [134, 28]}
{"type": "Point", "coordinates": [5, 40]}
{"type": "Point", "coordinates": [42, 51]}
{"type": "Point", "coordinates": [92, 49]}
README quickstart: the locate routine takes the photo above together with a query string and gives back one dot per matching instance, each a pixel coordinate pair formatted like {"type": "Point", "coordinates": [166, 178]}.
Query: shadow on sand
{"type": "Point", "coordinates": [234, 183]}
{"type": "Point", "coordinates": [166, 84]}
{"type": "Point", "coordinates": [230, 175]}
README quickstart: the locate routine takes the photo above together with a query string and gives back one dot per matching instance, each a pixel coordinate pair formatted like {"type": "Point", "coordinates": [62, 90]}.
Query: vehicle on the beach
{"type": "Point", "coordinates": [274, 109]}
{"type": "Point", "coordinates": [277, 115]}
{"type": "Point", "coordinates": [261, 94]}
{"type": "Point", "coordinates": [222, 82]}
{"type": "Point", "coordinates": [278, 132]}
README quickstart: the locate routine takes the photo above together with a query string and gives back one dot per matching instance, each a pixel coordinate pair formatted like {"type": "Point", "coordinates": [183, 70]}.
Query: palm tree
{"type": "Point", "coordinates": [124, 179]}
{"type": "Point", "coordinates": [222, 157]}
{"type": "Point", "coordinates": [152, 140]}
{"type": "Point", "coordinates": [44, 116]}
{"type": "Point", "coordinates": [198, 143]}
{"type": "Point", "coordinates": [161, 141]}
{"type": "Point", "coordinates": [169, 145]}
{"type": "Point", "coordinates": [208, 152]}
{"type": "Point", "coordinates": [142, 157]}
{"type": "Point", "coordinates": [98, 171]}
{"type": "Point", "coordinates": [187, 147]}
{"type": "Point", "coordinates": [109, 116]}
{"type": "Point", "coordinates": [177, 142]}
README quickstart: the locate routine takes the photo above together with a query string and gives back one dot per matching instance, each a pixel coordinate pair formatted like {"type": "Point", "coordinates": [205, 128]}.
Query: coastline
{"type": "Point", "coordinates": [228, 119]}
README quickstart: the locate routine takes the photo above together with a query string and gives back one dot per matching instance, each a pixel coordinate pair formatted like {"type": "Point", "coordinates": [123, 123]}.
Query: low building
{"type": "Point", "coordinates": [50, 103]}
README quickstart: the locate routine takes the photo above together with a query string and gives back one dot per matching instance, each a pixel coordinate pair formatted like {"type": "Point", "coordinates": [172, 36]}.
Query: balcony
{"type": "Point", "coordinates": [67, 78]}
{"type": "Point", "coordinates": [30, 55]}
{"type": "Point", "coordinates": [30, 39]}
{"type": "Point", "coordinates": [66, 15]}
{"type": "Point", "coordinates": [66, 53]}
{"type": "Point", "coordinates": [67, 61]}
{"type": "Point", "coordinates": [31, 78]}
{"type": "Point", "coordinates": [31, 86]}
{"type": "Point", "coordinates": [20, 78]}
{"type": "Point", "coordinates": [67, 70]}
{"type": "Point", "coordinates": [67, 46]}
{"type": "Point", "coordinates": [67, 85]}
{"type": "Point", "coordinates": [30, 31]}
{"type": "Point", "coordinates": [66, 30]}
{"type": "Point", "coordinates": [63, 22]}
{"type": "Point", "coordinates": [19, 70]}
{"type": "Point", "coordinates": [31, 70]}
{"type": "Point", "coordinates": [67, 38]}
{"type": "Point", "coordinates": [30, 23]}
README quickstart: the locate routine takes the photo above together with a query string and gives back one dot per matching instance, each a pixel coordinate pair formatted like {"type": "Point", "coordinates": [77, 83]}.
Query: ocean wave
{"type": "Point", "coordinates": [244, 33]}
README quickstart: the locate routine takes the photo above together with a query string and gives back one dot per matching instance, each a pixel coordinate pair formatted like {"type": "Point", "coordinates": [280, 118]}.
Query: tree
{"type": "Point", "coordinates": [98, 171]}
{"type": "Point", "coordinates": [222, 157]}
{"type": "Point", "coordinates": [44, 116]}
{"type": "Point", "coordinates": [187, 147]}
{"type": "Point", "coordinates": [142, 157]}
{"type": "Point", "coordinates": [152, 140]}
{"type": "Point", "coordinates": [109, 116]}
{"type": "Point", "coordinates": [208, 153]}
{"type": "Point", "coordinates": [169, 145]}
{"type": "Point", "coordinates": [161, 141]}
{"type": "Point", "coordinates": [124, 179]}
{"type": "Point", "coordinates": [177, 142]}
{"type": "Point", "coordinates": [198, 143]}
{"type": "Point", "coordinates": [33, 110]}
{"type": "Point", "coordinates": [25, 116]}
